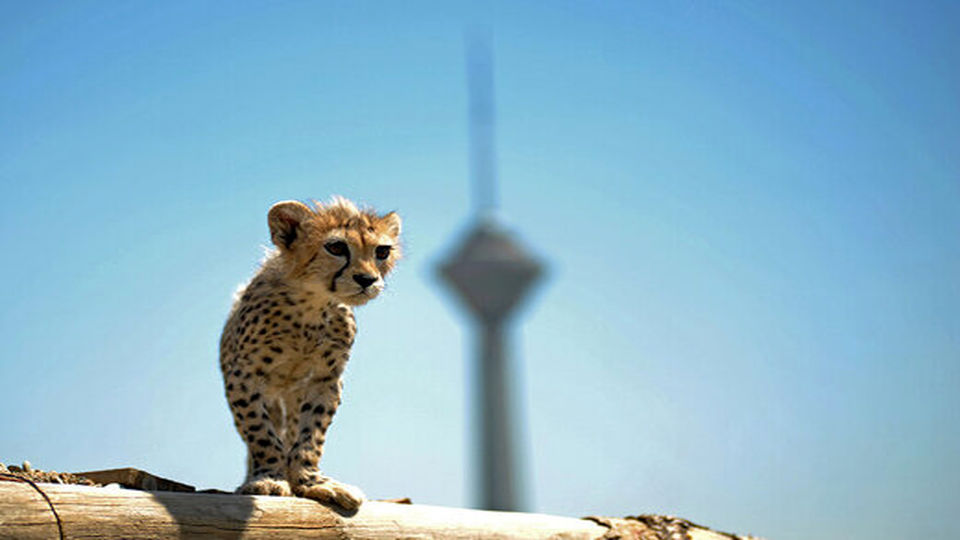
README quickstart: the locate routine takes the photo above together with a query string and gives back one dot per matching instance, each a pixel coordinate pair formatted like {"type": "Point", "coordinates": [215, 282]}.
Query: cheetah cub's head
{"type": "Point", "coordinates": [335, 248]}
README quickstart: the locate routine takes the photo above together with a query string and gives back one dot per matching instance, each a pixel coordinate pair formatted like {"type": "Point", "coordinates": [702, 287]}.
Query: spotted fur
{"type": "Point", "coordinates": [288, 337]}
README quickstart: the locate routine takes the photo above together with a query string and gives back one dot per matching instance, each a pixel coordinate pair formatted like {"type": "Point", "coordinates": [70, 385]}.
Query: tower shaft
{"type": "Point", "coordinates": [497, 467]}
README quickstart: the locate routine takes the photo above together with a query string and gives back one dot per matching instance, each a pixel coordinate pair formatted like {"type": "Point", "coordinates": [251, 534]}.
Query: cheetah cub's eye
{"type": "Point", "coordinates": [383, 252]}
{"type": "Point", "coordinates": [337, 248]}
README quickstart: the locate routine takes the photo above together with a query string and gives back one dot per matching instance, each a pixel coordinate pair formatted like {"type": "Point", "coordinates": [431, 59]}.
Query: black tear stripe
{"type": "Point", "coordinates": [333, 282]}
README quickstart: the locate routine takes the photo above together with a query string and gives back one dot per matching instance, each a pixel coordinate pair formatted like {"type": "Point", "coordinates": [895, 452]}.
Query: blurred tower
{"type": "Point", "coordinates": [491, 274]}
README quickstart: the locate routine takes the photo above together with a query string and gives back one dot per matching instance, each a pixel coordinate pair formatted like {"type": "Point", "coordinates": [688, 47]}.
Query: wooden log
{"type": "Point", "coordinates": [29, 510]}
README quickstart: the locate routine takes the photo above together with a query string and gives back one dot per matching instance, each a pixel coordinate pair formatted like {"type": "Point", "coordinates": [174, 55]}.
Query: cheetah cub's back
{"type": "Point", "coordinates": [288, 338]}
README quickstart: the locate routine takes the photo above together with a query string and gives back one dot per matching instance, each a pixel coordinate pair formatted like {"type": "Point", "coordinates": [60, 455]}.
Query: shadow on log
{"type": "Point", "coordinates": [29, 510]}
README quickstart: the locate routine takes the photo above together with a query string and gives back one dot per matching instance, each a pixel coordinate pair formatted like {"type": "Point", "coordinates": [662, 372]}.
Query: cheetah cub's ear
{"type": "Point", "coordinates": [284, 219]}
{"type": "Point", "coordinates": [392, 221]}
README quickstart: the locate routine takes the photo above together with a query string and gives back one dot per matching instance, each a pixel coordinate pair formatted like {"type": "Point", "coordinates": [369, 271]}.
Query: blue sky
{"type": "Point", "coordinates": [751, 216]}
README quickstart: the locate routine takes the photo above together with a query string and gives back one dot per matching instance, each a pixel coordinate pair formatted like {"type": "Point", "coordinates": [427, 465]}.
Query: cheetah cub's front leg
{"type": "Point", "coordinates": [316, 412]}
{"type": "Point", "coordinates": [288, 337]}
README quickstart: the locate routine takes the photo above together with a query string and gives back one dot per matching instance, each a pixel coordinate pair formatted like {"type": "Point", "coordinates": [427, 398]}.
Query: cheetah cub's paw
{"type": "Point", "coordinates": [330, 491]}
{"type": "Point", "coordinates": [266, 486]}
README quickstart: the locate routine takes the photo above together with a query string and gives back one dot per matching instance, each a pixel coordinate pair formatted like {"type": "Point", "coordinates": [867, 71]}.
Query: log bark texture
{"type": "Point", "coordinates": [29, 510]}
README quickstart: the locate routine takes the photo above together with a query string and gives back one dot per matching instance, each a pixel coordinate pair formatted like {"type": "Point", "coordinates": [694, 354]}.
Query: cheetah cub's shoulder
{"type": "Point", "coordinates": [288, 337]}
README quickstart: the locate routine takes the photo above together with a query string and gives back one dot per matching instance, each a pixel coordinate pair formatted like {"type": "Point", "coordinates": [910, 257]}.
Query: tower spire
{"type": "Point", "coordinates": [483, 173]}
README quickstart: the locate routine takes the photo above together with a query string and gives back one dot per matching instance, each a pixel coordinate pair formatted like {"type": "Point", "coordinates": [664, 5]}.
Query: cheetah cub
{"type": "Point", "coordinates": [288, 338]}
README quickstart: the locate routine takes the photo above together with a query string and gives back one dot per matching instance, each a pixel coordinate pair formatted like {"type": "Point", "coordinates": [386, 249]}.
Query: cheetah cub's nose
{"type": "Point", "coordinates": [365, 280]}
